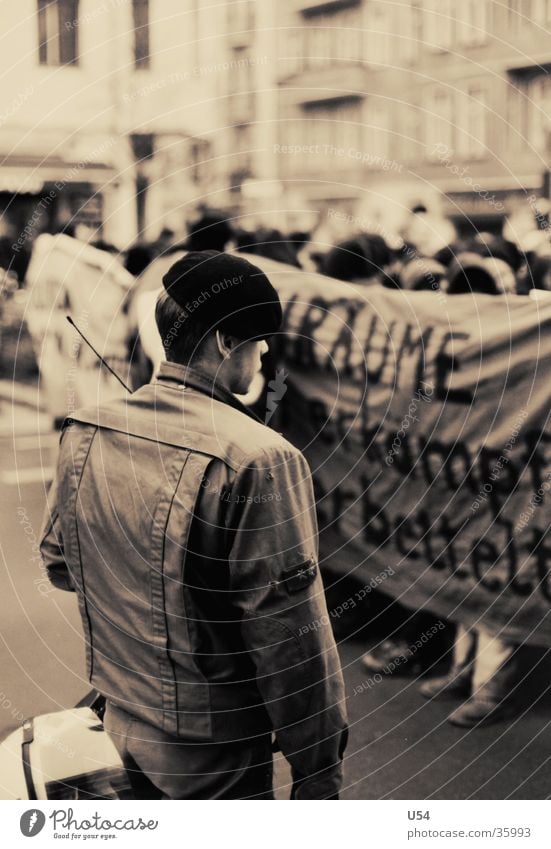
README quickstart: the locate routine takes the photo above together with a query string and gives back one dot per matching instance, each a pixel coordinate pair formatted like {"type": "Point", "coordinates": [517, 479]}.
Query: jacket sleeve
{"type": "Point", "coordinates": [276, 585]}
{"type": "Point", "coordinates": [51, 543]}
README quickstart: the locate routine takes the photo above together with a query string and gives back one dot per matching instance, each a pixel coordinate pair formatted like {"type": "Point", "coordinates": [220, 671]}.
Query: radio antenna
{"type": "Point", "coordinates": [98, 355]}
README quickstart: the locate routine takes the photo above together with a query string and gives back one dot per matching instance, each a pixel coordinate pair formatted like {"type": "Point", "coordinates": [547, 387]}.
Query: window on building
{"type": "Point", "coordinates": [472, 22]}
{"type": "Point", "coordinates": [196, 24]}
{"type": "Point", "coordinates": [347, 126]}
{"type": "Point", "coordinates": [379, 27]}
{"type": "Point", "coordinates": [140, 12]}
{"type": "Point", "coordinates": [411, 31]}
{"type": "Point", "coordinates": [241, 151]}
{"type": "Point", "coordinates": [440, 23]}
{"type": "Point", "coordinates": [521, 12]}
{"type": "Point", "coordinates": [240, 16]}
{"type": "Point", "coordinates": [377, 135]}
{"type": "Point", "coordinates": [200, 153]}
{"type": "Point", "coordinates": [439, 123]}
{"type": "Point", "coordinates": [517, 117]}
{"type": "Point", "coordinates": [292, 59]}
{"type": "Point", "coordinates": [319, 42]}
{"type": "Point", "coordinates": [410, 118]}
{"type": "Point", "coordinates": [58, 32]}
{"type": "Point", "coordinates": [348, 35]}
{"type": "Point", "coordinates": [240, 77]}
{"type": "Point", "coordinates": [472, 124]}
{"type": "Point", "coordinates": [539, 126]}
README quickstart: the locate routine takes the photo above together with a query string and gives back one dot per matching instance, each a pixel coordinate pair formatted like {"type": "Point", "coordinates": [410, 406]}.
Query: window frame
{"type": "Point", "coordinates": [142, 34]}
{"type": "Point", "coordinates": [58, 45]}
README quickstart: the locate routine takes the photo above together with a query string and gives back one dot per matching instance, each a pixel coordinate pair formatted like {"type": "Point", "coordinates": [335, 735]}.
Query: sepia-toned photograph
{"type": "Point", "coordinates": [275, 397]}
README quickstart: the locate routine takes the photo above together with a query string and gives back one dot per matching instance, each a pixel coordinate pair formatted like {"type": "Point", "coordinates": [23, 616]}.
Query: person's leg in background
{"type": "Point", "coordinates": [458, 681]}
{"type": "Point", "coordinates": [497, 669]}
{"type": "Point", "coordinates": [171, 768]}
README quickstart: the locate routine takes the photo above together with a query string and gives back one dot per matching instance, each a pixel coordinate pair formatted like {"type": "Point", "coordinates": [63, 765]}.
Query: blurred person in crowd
{"type": "Point", "coordinates": [472, 273]}
{"type": "Point", "coordinates": [300, 243]}
{"type": "Point", "coordinates": [428, 231]}
{"type": "Point", "coordinates": [163, 242]}
{"type": "Point", "coordinates": [446, 255]}
{"type": "Point", "coordinates": [422, 274]}
{"type": "Point", "coordinates": [180, 478]}
{"type": "Point", "coordinates": [365, 259]}
{"type": "Point", "coordinates": [486, 671]}
{"type": "Point", "coordinates": [269, 243]}
{"type": "Point", "coordinates": [102, 245]}
{"type": "Point", "coordinates": [212, 231]}
{"type": "Point", "coordinates": [537, 275]}
{"type": "Point", "coordinates": [138, 257]}
{"type": "Point", "coordinates": [495, 247]}
{"type": "Point", "coordinates": [528, 225]}
{"type": "Point", "coordinates": [14, 262]}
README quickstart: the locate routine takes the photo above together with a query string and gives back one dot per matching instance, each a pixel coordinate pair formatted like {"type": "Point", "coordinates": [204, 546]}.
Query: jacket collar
{"type": "Point", "coordinates": [195, 379]}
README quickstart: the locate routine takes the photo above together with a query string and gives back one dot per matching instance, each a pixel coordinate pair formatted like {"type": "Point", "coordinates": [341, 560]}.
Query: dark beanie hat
{"type": "Point", "coordinates": [225, 291]}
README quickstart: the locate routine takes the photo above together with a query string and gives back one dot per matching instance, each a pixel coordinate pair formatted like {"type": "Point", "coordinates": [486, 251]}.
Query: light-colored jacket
{"type": "Point", "coordinates": [188, 530]}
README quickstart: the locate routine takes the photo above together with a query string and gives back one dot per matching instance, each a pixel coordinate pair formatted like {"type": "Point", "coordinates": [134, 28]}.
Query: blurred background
{"type": "Point", "coordinates": [137, 114]}
{"type": "Point", "coordinates": [400, 144]}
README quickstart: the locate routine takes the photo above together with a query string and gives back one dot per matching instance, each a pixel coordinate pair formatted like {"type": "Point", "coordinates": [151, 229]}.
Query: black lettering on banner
{"type": "Point", "coordinates": [402, 459]}
{"type": "Point", "coordinates": [343, 344]}
{"type": "Point", "coordinates": [402, 530]}
{"type": "Point", "coordinates": [413, 344]}
{"type": "Point", "coordinates": [423, 519]}
{"type": "Point", "coordinates": [421, 364]}
{"type": "Point", "coordinates": [429, 449]}
{"type": "Point", "coordinates": [445, 363]}
{"type": "Point", "coordinates": [312, 319]}
{"type": "Point", "coordinates": [373, 450]}
{"type": "Point", "coordinates": [459, 468]}
{"type": "Point", "coordinates": [485, 554]}
{"type": "Point", "coordinates": [288, 308]}
{"type": "Point", "coordinates": [518, 587]}
{"type": "Point", "coordinates": [374, 375]}
{"type": "Point", "coordinates": [409, 346]}
{"type": "Point", "coordinates": [448, 556]}
{"type": "Point", "coordinates": [500, 473]}
{"type": "Point", "coordinates": [534, 456]}
{"type": "Point", "coordinates": [345, 421]}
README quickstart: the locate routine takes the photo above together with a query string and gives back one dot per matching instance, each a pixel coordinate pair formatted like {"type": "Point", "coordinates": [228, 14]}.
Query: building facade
{"type": "Point", "coordinates": [384, 105]}
{"type": "Point", "coordinates": [107, 115]}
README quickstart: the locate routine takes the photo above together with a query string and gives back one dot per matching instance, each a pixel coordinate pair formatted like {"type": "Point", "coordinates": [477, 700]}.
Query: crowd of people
{"type": "Point", "coordinates": [424, 253]}
{"type": "Point", "coordinates": [418, 258]}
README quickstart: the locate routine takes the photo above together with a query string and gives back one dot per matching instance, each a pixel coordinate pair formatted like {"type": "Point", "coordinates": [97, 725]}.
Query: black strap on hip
{"type": "Point", "coordinates": [28, 737]}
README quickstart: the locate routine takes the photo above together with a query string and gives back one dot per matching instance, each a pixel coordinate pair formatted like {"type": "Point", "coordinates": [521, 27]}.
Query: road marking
{"type": "Point", "coordinates": [36, 474]}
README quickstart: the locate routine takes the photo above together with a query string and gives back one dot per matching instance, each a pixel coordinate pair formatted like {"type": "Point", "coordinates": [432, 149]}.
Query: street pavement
{"type": "Point", "coordinates": [400, 746]}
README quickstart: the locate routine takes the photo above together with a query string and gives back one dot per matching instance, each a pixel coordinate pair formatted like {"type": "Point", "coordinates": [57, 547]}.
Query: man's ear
{"type": "Point", "coordinates": [226, 344]}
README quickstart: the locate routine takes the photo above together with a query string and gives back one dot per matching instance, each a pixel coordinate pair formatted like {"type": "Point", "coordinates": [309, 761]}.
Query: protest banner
{"type": "Point", "coordinates": [68, 277]}
{"type": "Point", "coordinates": [426, 423]}
{"type": "Point", "coordinates": [425, 420]}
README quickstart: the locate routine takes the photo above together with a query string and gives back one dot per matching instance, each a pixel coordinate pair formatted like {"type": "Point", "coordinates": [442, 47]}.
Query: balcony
{"type": "Point", "coordinates": [323, 7]}
{"type": "Point", "coordinates": [335, 82]}
{"type": "Point", "coordinates": [524, 72]}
